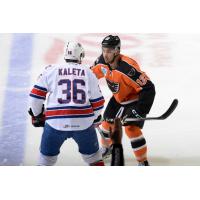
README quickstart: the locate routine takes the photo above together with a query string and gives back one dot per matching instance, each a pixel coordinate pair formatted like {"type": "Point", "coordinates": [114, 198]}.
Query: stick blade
{"type": "Point", "coordinates": [170, 109]}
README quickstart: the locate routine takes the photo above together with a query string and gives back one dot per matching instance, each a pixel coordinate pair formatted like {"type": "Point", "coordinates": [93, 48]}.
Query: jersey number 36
{"type": "Point", "coordinates": [72, 93]}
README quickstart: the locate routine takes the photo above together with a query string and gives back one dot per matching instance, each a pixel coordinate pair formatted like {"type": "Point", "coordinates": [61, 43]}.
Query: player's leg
{"type": "Point", "coordinates": [110, 113]}
{"type": "Point", "coordinates": [138, 143]}
{"type": "Point", "coordinates": [105, 140]}
{"type": "Point", "coordinates": [47, 160]}
{"type": "Point", "coordinates": [89, 146]}
{"type": "Point", "coordinates": [134, 132]}
{"type": "Point", "coordinates": [51, 142]}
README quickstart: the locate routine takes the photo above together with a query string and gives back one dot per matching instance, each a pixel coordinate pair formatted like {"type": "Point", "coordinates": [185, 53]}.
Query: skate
{"type": "Point", "coordinates": [106, 152]}
{"type": "Point", "coordinates": [144, 163]}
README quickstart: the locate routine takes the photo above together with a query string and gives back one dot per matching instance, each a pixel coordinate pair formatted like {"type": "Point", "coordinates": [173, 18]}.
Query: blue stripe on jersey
{"type": "Point", "coordinates": [101, 107]}
{"type": "Point", "coordinates": [40, 88]}
{"type": "Point", "coordinates": [95, 100]}
{"type": "Point", "coordinates": [70, 116]}
{"type": "Point", "coordinates": [37, 97]}
{"type": "Point", "coordinates": [12, 136]}
{"type": "Point", "coordinates": [69, 107]}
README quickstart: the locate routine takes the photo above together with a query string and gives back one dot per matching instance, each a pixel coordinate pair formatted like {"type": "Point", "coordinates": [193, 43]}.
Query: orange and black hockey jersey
{"type": "Point", "coordinates": [127, 82]}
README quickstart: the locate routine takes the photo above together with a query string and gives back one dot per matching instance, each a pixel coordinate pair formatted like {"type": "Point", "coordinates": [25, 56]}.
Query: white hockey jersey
{"type": "Point", "coordinates": [73, 97]}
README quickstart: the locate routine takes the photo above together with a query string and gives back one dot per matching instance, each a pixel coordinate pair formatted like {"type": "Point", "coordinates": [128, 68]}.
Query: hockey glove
{"type": "Point", "coordinates": [131, 113]}
{"type": "Point", "coordinates": [97, 121]}
{"type": "Point", "coordinates": [37, 121]}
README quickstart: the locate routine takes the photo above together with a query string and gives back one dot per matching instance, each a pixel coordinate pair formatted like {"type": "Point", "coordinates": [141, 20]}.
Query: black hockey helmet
{"type": "Point", "coordinates": [111, 41]}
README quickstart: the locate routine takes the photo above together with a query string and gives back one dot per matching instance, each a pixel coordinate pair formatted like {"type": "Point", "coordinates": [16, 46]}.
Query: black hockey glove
{"type": "Point", "coordinates": [132, 113]}
{"type": "Point", "coordinates": [97, 121]}
{"type": "Point", "coordinates": [37, 121]}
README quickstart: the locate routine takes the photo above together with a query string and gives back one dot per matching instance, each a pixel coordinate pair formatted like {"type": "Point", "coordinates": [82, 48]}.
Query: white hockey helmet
{"type": "Point", "coordinates": [74, 51]}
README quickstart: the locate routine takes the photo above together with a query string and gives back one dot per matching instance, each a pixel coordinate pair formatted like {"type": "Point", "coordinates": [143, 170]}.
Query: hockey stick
{"type": "Point", "coordinates": [165, 115]}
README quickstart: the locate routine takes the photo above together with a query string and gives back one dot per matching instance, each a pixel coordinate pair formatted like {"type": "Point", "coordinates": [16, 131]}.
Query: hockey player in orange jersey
{"type": "Point", "coordinates": [133, 95]}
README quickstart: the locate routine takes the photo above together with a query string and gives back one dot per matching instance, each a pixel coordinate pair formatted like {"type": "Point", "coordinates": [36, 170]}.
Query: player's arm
{"type": "Point", "coordinates": [96, 98]}
{"type": "Point", "coordinates": [146, 94]}
{"type": "Point", "coordinates": [117, 149]}
{"type": "Point", "coordinates": [146, 90]}
{"type": "Point", "coordinates": [37, 98]}
{"type": "Point", "coordinates": [145, 86]}
{"type": "Point", "coordinates": [97, 67]}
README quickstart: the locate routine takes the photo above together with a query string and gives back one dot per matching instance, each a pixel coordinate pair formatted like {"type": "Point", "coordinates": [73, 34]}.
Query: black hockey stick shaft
{"type": "Point", "coordinates": [165, 115]}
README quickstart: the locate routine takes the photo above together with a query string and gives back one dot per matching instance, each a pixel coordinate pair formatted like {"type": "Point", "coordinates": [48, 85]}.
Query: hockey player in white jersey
{"type": "Point", "coordinates": [73, 106]}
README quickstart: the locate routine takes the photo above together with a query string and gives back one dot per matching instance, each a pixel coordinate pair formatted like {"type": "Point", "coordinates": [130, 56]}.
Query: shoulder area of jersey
{"type": "Point", "coordinates": [127, 59]}
{"type": "Point", "coordinates": [130, 61]}
{"type": "Point", "coordinates": [45, 71]}
{"type": "Point", "coordinates": [49, 67]}
{"type": "Point", "coordinates": [84, 66]}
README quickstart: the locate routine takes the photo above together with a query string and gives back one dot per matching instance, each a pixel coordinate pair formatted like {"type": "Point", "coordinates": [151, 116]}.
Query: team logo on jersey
{"type": "Point", "coordinates": [114, 87]}
{"type": "Point", "coordinates": [131, 72]}
{"type": "Point", "coordinates": [104, 70]}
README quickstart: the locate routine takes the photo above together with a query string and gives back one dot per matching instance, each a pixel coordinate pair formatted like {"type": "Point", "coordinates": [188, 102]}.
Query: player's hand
{"type": "Point", "coordinates": [116, 133]}
{"type": "Point", "coordinates": [37, 121]}
{"type": "Point", "coordinates": [131, 114]}
{"type": "Point", "coordinates": [97, 121]}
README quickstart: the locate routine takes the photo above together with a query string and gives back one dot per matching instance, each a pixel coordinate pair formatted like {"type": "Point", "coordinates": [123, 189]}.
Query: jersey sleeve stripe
{"type": "Point", "coordinates": [37, 97]}
{"type": "Point", "coordinates": [98, 108]}
{"type": "Point", "coordinates": [40, 88]}
{"type": "Point", "coordinates": [98, 104]}
{"type": "Point", "coordinates": [95, 100]}
{"type": "Point", "coordinates": [38, 92]}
